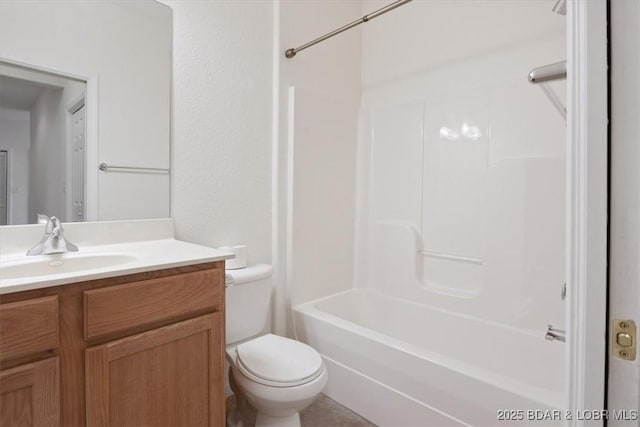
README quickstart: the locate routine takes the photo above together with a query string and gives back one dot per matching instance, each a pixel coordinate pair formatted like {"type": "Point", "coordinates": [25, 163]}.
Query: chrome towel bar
{"type": "Point", "coordinates": [105, 167]}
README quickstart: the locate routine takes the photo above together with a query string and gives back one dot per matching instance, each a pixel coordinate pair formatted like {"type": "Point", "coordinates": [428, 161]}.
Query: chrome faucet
{"type": "Point", "coordinates": [554, 334]}
{"type": "Point", "coordinates": [53, 241]}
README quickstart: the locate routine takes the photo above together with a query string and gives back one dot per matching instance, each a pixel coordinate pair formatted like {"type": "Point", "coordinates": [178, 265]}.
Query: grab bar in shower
{"type": "Point", "coordinates": [105, 167]}
{"type": "Point", "coordinates": [549, 73]}
{"type": "Point", "coordinates": [452, 257]}
{"type": "Point", "coordinates": [419, 246]}
{"type": "Point", "coordinates": [418, 255]}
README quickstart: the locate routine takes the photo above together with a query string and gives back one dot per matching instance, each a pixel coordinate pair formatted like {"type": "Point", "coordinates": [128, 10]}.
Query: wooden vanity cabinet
{"type": "Point", "coordinates": [29, 394]}
{"type": "Point", "coordinates": [29, 388]}
{"type": "Point", "coordinates": [144, 349]}
{"type": "Point", "coordinates": [160, 377]}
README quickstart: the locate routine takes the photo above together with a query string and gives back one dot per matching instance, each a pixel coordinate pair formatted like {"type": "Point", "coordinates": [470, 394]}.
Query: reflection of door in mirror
{"type": "Point", "coordinates": [78, 174]}
{"type": "Point", "coordinates": [42, 128]}
{"type": "Point", "coordinates": [4, 184]}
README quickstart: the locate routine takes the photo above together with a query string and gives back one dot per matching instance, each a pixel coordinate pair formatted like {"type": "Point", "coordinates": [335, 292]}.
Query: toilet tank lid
{"type": "Point", "coordinates": [248, 274]}
{"type": "Point", "coordinates": [278, 359]}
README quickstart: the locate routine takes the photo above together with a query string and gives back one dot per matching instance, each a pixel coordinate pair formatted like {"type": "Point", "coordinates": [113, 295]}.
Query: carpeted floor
{"type": "Point", "coordinates": [324, 412]}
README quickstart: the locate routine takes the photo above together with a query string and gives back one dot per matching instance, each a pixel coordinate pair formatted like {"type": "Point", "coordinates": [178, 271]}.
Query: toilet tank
{"type": "Point", "coordinates": [248, 303]}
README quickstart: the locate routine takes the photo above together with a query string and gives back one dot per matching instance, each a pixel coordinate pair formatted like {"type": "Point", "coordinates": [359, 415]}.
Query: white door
{"type": "Point", "coordinates": [4, 185]}
{"type": "Point", "coordinates": [624, 258]}
{"type": "Point", "coordinates": [78, 164]}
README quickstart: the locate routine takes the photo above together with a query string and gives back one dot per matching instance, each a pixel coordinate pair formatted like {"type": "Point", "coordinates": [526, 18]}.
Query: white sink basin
{"type": "Point", "coordinates": [107, 249]}
{"type": "Point", "coordinates": [46, 265]}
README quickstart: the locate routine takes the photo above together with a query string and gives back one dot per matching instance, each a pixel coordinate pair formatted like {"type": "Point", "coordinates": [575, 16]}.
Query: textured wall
{"type": "Point", "coordinates": [221, 124]}
{"type": "Point", "coordinates": [223, 110]}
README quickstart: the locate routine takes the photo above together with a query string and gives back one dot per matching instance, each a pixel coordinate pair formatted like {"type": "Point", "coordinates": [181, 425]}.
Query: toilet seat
{"type": "Point", "coordinates": [278, 362]}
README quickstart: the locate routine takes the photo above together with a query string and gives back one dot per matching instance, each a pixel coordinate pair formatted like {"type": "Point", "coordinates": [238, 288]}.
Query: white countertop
{"type": "Point", "coordinates": [120, 258]}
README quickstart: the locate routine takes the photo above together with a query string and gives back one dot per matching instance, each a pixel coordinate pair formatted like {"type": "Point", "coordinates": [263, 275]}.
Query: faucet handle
{"type": "Point", "coordinates": [53, 241]}
{"type": "Point", "coordinates": [52, 224]}
{"type": "Point", "coordinates": [42, 219]}
{"type": "Point", "coordinates": [555, 334]}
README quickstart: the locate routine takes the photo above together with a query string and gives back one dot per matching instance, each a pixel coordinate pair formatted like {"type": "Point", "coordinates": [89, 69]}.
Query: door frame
{"type": "Point", "coordinates": [587, 209]}
{"type": "Point", "coordinates": [91, 105]}
{"type": "Point", "coordinates": [9, 184]}
{"type": "Point", "coordinates": [623, 376]}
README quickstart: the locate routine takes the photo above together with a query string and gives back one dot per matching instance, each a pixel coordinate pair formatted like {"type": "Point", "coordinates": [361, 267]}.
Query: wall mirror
{"type": "Point", "coordinates": [84, 110]}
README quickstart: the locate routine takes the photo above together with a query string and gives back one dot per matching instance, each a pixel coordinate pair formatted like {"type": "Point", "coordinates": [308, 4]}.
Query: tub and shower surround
{"type": "Point", "coordinates": [459, 248]}
{"type": "Point", "coordinates": [459, 258]}
{"type": "Point", "coordinates": [431, 366]}
{"type": "Point", "coordinates": [461, 162]}
{"type": "Point", "coordinates": [463, 206]}
{"type": "Point", "coordinates": [460, 270]}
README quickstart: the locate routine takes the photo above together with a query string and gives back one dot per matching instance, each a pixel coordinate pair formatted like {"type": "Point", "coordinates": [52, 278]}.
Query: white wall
{"type": "Point", "coordinates": [221, 124]}
{"type": "Point", "coordinates": [126, 45]}
{"type": "Point", "coordinates": [495, 198]}
{"type": "Point", "coordinates": [316, 151]}
{"type": "Point", "coordinates": [15, 138]}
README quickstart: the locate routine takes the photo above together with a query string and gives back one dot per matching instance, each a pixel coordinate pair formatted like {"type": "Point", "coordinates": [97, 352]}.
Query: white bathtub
{"type": "Point", "coordinates": [400, 363]}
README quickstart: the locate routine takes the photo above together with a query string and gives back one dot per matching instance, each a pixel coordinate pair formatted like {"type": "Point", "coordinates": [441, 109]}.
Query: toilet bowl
{"type": "Point", "coordinates": [275, 375]}
{"type": "Point", "coordinates": [278, 376]}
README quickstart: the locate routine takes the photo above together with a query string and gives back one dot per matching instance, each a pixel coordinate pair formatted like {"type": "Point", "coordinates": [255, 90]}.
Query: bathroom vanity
{"type": "Point", "coordinates": [137, 343]}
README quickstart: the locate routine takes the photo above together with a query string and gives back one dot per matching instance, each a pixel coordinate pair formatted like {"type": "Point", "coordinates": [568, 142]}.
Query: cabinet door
{"type": "Point", "coordinates": [29, 394]}
{"type": "Point", "coordinates": [171, 376]}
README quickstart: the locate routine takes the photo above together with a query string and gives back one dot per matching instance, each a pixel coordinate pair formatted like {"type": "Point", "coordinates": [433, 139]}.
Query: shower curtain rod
{"type": "Point", "coordinates": [290, 53]}
{"type": "Point", "coordinates": [548, 73]}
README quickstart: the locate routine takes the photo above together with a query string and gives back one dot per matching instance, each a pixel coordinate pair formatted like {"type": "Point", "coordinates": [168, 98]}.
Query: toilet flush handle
{"type": "Point", "coordinates": [228, 281]}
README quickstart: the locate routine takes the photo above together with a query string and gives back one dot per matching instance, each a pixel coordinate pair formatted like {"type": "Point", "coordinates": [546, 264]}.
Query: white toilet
{"type": "Point", "coordinates": [278, 376]}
